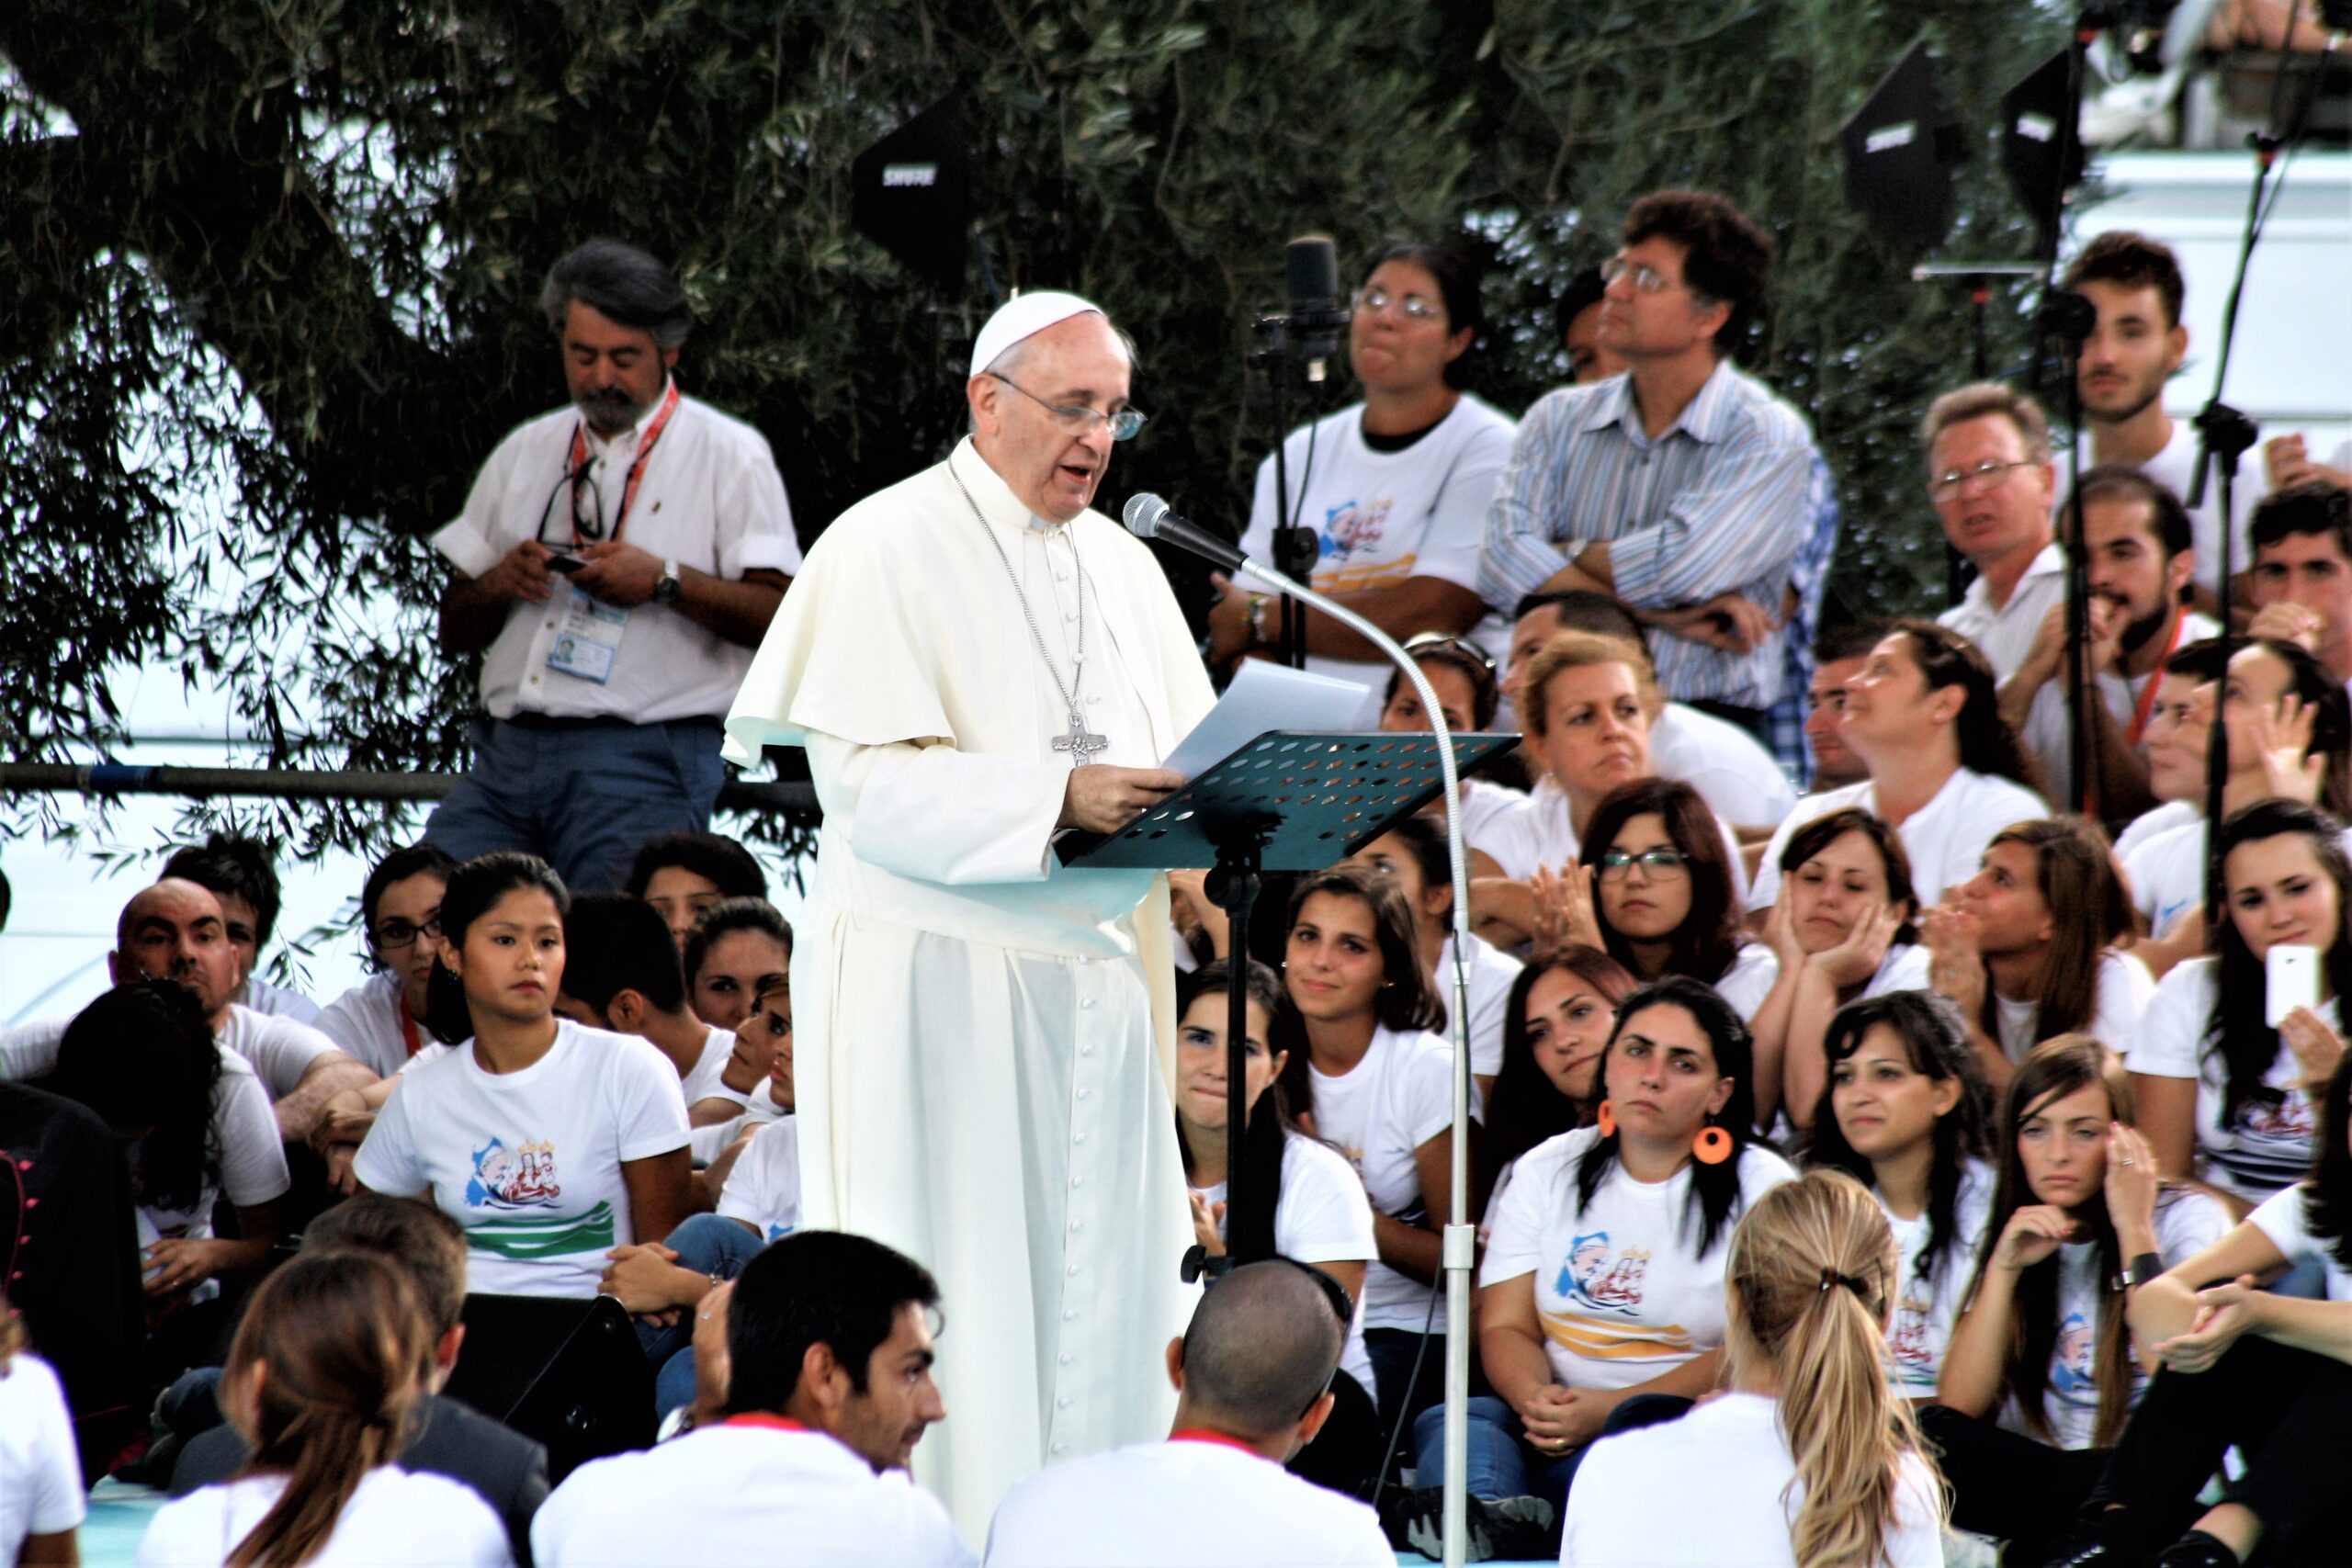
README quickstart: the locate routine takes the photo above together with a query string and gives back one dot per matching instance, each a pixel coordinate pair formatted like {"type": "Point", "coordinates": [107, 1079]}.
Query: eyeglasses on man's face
{"type": "Point", "coordinates": [1080, 419]}
{"type": "Point", "coordinates": [1647, 278]}
{"type": "Point", "coordinates": [1976, 480]}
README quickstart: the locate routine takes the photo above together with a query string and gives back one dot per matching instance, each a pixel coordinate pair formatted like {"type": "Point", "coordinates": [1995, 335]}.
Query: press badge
{"type": "Point", "coordinates": [587, 639]}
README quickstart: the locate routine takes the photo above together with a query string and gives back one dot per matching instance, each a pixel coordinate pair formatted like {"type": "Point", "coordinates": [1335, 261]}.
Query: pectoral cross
{"type": "Point", "coordinates": [1080, 741]}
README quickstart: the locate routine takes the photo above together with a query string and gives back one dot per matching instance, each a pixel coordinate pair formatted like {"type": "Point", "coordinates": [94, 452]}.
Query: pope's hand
{"type": "Point", "coordinates": [1104, 799]}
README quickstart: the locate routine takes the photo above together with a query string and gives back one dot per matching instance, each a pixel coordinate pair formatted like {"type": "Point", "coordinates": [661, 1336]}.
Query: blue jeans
{"type": "Point", "coordinates": [707, 1244]}
{"type": "Point", "coordinates": [584, 795]}
{"type": "Point", "coordinates": [1502, 1463]}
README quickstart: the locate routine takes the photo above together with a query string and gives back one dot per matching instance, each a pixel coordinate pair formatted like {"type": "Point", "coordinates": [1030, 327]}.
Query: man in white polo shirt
{"type": "Point", "coordinates": [1990, 474]}
{"type": "Point", "coordinates": [1253, 1377]}
{"type": "Point", "coordinates": [827, 1373]}
{"type": "Point", "coordinates": [617, 562]}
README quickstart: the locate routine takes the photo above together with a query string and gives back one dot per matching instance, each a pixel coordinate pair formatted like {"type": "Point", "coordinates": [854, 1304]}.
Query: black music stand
{"type": "Point", "coordinates": [1286, 801]}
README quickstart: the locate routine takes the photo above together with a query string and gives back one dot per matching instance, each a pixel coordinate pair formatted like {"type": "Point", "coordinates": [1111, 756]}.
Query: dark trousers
{"type": "Point", "coordinates": [1346, 1452]}
{"type": "Point", "coordinates": [2289, 1414]}
{"type": "Point", "coordinates": [2007, 1486]}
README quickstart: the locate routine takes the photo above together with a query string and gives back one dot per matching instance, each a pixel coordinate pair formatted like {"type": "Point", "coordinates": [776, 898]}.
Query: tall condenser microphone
{"type": "Point", "coordinates": [1148, 517]}
{"type": "Point", "coordinates": [1311, 279]}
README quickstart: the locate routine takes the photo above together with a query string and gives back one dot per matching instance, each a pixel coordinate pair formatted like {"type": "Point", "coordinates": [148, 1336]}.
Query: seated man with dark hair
{"type": "Point", "coordinates": [826, 1372]}
{"type": "Point", "coordinates": [243, 874]}
{"type": "Point", "coordinates": [508, 1470]}
{"type": "Point", "coordinates": [621, 973]}
{"type": "Point", "coordinates": [1253, 1380]}
{"type": "Point", "coordinates": [682, 874]}
{"type": "Point", "coordinates": [1838, 655]}
{"type": "Point", "coordinates": [2302, 571]}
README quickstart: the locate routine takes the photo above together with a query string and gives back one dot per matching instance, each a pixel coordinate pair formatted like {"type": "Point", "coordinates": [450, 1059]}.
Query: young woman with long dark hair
{"type": "Point", "coordinates": [1562, 1010]}
{"type": "Point", "coordinates": [383, 1020]}
{"type": "Point", "coordinates": [1665, 895]}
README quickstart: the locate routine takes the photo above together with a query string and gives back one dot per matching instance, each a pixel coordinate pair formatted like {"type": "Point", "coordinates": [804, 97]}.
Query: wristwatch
{"type": "Point", "coordinates": [665, 592]}
{"type": "Point", "coordinates": [2143, 1267]}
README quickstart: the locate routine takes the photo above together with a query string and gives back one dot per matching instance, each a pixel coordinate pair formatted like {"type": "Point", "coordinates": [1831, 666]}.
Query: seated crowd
{"type": "Point", "coordinates": [1895, 1160]}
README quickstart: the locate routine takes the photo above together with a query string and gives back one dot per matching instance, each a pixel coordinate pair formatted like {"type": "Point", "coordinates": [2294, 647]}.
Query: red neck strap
{"type": "Point", "coordinates": [1203, 1435]}
{"type": "Point", "coordinates": [636, 470]}
{"type": "Point", "coordinates": [772, 1422]}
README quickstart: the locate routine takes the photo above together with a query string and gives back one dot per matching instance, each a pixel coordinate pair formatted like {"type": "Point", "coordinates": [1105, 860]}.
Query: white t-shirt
{"type": "Point", "coordinates": [1905, 967]}
{"type": "Point", "coordinates": [1485, 802]}
{"type": "Point", "coordinates": [277, 1001]}
{"type": "Point", "coordinates": [2117, 1005]}
{"type": "Point", "coordinates": [394, 1516]}
{"type": "Point", "coordinates": [744, 1494]}
{"type": "Point", "coordinates": [1539, 833]}
{"type": "Point", "coordinates": [1929, 1304]}
{"type": "Point", "coordinates": [1381, 518]}
{"type": "Point", "coordinates": [1159, 1505]}
{"type": "Point", "coordinates": [2174, 467]}
{"type": "Point", "coordinates": [1945, 837]}
{"type": "Point", "coordinates": [1492, 971]}
{"type": "Point", "coordinates": [2267, 1147]}
{"type": "Point", "coordinates": [709, 499]}
{"type": "Point", "coordinates": [278, 1050]}
{"type": "Point", "coordinates": [365, 1023]}
{"type": "Point", "coordinates": [712, 1139]}
{"type": "Point", "coordinates": [2049, 730]}
{"type": "Point", "coordinates": [530, 1162]}
{"type": "Point", "coordinates": [2168, 873]}
{"type": "Point", "coordinates": [2006, 635]}
{"type": "Point", "coordinates": [1717, 1488]}
{"type": "Point", "coordinates": [2148, 823]}
{"type": "Point", "coordinates": [764, 1190]}
{"type": "Point", "coordinates": [2186, 1222]}
{"type": "Point", "coordinates": [1623, 1294]}
{"type": "Point", "coordinates": [1377, 1113]}
{"type": "Point", "coordinates": [252, 1158]}
{"type": "Point", "coordinates": [40, 1474]}
{"type": "Point", "coordinates": [1738, 779]}
{"type": "Point", "coordinates": [704, 1082]}
{"type": "Point", "coordinates": [1323, 1217]}
{"type": "Point", "coordinates": [2285, 1218]}
{"type": "Point", "coordinates": [1749, 980]}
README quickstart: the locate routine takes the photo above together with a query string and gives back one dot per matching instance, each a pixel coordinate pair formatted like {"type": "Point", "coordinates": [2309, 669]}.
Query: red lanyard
{"type": "Point", "coordinates": [408, 1026]}
{"type": "Point", "coordinates": [636, 470]}
{"type": "Point", "coordinates": [2156, 676]}
{"type": "Point", "coordinates": [1203, 1435]}
{"type": "Point", "coordinates": [772, 1422]}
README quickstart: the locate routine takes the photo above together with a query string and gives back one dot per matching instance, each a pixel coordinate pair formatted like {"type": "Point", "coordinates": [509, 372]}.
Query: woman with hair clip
{"type": "Point", "coordinates": [1414, 854]}
{"type": "Point", "coordinates": [2223, 1094]}
{"type": "Point", "coordinates": [1842, 930]}
{"type": "Point", "coordinates": [1378, 1084]}
{"type": "Point", "coordinates": [1463, 675]}
{"type": "Point", "coordinates": [550, 1141]}
{"type": "Point", "coordinates": [2245, 1368]}
{"type": "Point", "coordinates": [1810, 1460]}
{"type": "Point", "coordinates": [2080, 1220]}
{"type": "Point", "coordinates": [322, 1383]}
{"type": "Point", "coordinates": [1603, 1274]}
{"type": "Point", "coordinates": [1664, 894]}
{"type": "Point", "coordinates": [1562, 1009]}
{"type": "Point", "coordinates": [2026, 948]}
{"type": "Point", "coordinates": [1946, 771]}
{"type": "Point", "coordinates": [1905, 1111]}
{"type": "Point", "coordinates": [1308, 1203]}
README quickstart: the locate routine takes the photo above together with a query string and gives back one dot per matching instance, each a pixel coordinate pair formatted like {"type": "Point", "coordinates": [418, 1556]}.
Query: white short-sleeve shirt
{"type": "Point", "coordinates": [1540, 833]}
{"type": "Point", "coordinates": [530, 1163]}
{"type": "Point", "coordinates": [1749, 980]}
{"type": "Point", "coordinates": [370, 1024]}
{"type": "Point", "coordinates": [2285, 1217]}
{"type": "Point", "coordinates": [2117, 1005]}
{"type": "Point", "coordinates": [1739, 780]}
{"type": "Point", "coordinates": [1718, 1488]}
{"type": "Point", "coordinates": [764, 1190]}
{"type": "Point", "coordinates": [1492, 972]}
{"type": "Point", "coordinates": [1919, 1330]}
{"type": "Point", "coordinates": [2148, 823]}
{"type": "Point", "coordinates": [1945, 837]}
{"type": "Point", "coordinates": [278, 1050]}
{"type": "Point", "coordinates": [1158, 1503]}
{"type": "Point", "coordinates": [40, 1474]}
{"type": "Point", "coordinates": [704, 1082]}
{"type": "Point", "coordinates": [1622, 1289]}
{"type": "Point", "coordinates": [1377, 1113]}
{"type": "Point", "coordinates": [277, 1001]}
{"type": "Point", "coordinates": [710, 499]}
{"type": "Point", "coordinates": [2266, 1147]}
{"type": "Point", "coordinates": [2006, 633]}
{"type": "Point", "coordinates": [252, 1157]}
{"type": "Point", "coordinates": [394, 1516]}
{"type": "Point", "coordinates": [744, 1494]}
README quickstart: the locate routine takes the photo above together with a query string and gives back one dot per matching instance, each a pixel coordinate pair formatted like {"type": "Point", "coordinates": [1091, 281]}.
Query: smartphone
{"type": "Point", "coordinates": [566, 564]}
{"type": "Point", "coordinates": [2290, 980]}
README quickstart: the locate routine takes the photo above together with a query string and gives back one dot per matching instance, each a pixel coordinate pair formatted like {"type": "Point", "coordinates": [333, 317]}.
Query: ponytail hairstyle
{"type": "Point", "coordinates": [1987, 743]}
{"type": "Point", "coordinates": [1708, 942]}
{"type": "Point", "coordinates": [1249, 1231]}
{"type": "Point", "coordinates": [2237, 1030]}
{"type": "Point", "coordinates": [342, 1339]}
{"type": "Point", "coordinates": [2327, 1191]}
{"type": "Point", "coordinates": [1527, 1107]}
{"type": "Point", "coordinates": [2074, 871]}
{"type": "Point", "coordinates": [1409, 1000]}
{"type": "Point", "coordinates": [1936, 1043]}
{"type": "Point", "coordinates": [1810, 1280]}
{"type": "Point", "coordinates": [2051, 1071]}
{"type": "Point", "coordinates": [473, 891]}
{"type": "Point", "coordinates": [1714, 1188]}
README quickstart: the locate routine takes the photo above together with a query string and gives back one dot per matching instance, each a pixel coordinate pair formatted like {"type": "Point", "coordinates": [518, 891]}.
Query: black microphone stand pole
{"type": "Point", "coordinates": [2071, 318]}
{"type": "Point", "coordinates": [1272, 356]}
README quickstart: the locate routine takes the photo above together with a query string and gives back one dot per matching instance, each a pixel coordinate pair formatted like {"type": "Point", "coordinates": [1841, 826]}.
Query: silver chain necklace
{"type": "Point", "coordinates": [1079, 743]}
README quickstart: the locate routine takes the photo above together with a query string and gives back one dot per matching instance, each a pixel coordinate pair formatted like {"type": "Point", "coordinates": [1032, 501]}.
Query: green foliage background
{"type": "Point", "coordinates": [266, 269]}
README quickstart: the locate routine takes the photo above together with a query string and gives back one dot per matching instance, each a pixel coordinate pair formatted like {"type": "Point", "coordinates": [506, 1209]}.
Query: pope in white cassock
{"type": "Point", "coordinates": [975, 661]}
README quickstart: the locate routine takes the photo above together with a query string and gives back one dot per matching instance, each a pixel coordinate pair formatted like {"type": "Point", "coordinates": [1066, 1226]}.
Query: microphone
{"type": "Point", "coordinates": [1311, 280]}
{"type": "Point", "coordinates": [1148, 517]}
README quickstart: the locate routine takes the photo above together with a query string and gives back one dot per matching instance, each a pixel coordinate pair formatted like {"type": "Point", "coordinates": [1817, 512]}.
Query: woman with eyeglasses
{"type": "Point", "coordinates": [1395, 488]}
{"type": "Point", "coordinates": [381, 1020]}
{"type": "Point", "coordinates": [1946, 770]}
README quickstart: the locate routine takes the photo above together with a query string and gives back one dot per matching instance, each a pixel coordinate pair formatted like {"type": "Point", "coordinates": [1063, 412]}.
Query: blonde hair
{"type": "Point", "coordinates": [1980, 400]}
{"type": "Point", "coordinates": [1578, 650]}
{"type": "Point", "coordinates": [1812, 1278]}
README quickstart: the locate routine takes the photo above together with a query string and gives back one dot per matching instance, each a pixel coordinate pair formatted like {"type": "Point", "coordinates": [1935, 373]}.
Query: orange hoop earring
{"type": "Point", "coordinates": [1711, 1146]}
{"type": "Point", "coordinates": [1606, 1120]}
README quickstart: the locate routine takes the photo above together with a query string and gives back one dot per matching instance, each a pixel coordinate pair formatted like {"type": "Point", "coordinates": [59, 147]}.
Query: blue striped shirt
{"type": "Point", "coordinates": [1720, 503]}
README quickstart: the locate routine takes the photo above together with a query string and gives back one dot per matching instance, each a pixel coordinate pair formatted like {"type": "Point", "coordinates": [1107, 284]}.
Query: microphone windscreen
{"type": "Point", "coordinates": [1311, 272]}
{"type": "Point", "coordinates": [1142, 513]}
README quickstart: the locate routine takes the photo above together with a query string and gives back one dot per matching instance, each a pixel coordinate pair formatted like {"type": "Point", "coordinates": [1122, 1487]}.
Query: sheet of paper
{"type": "Point", "coordinates": [1266, 695]}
